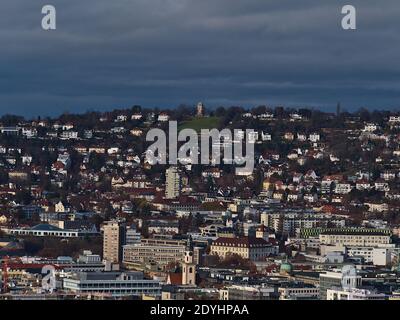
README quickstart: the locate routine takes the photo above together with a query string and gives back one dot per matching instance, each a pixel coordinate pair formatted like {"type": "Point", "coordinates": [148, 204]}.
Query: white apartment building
{"type": "Point", "coordinates": [314, 137]}
{"type": "Point", "coordinates": [69, 135]}
{"type": "Point", "coordinates": [376, 256]}
{"type": "Point", "coordinates": [112, 283]}
{"type": "Point", "coordinates": [343, 188]}
{"type": "Point", "coordinates": [370, 127]}
{"type": "Point", "coordinates": [355, 237]}
{"type": "Point", "coordinates": [354, 294]}
{"type": "Point", "coordinates": [298, 293]}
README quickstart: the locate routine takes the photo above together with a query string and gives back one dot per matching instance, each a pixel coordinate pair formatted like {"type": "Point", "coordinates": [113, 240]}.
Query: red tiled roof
{"type": "Point", "coordinates": [174, 278]}
{"type": "Point", "coordinates": [58, 165]}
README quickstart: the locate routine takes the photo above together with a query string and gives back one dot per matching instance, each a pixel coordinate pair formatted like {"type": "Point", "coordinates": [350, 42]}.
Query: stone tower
{"type": "Point", "coordinates": [188, 269]}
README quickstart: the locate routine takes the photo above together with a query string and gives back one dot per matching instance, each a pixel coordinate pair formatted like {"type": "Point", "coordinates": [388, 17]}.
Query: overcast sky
{"type": "Point", "coordinates": [109, 54]}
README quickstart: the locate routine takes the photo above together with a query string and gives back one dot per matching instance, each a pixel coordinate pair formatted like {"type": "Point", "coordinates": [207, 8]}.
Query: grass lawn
{"type": "Point", "coordinates": [200, 123]}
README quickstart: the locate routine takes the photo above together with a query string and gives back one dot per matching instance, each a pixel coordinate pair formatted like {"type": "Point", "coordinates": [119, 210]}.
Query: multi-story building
{"type": "Point", "coordinates": [346, 278]}
{"type": "Point", "coordinates": [132, 236]}
{"type": "Point", "coordinates": [163, 226]}
{"type": "Point", "coordinates": [354, 294]}
{"type": "Point", "coordinates": [289, 224]}
{"type": "Point", "coordinates": [87, 257]}
{"type": "Point", "coordinates": [112, 283]}
{"type": "Point", "coordinates": [376, 256]}
{"type": "Point", "coordinates": [113, 240]}
{"type": "Point", "coordinates": [172, 183]}
{"type": "Point", "coordinates": [355, 237]}
{"type": "Point", "coordinates": [247, 292]}
{"type": "Point", "coordinates": [298, 293]}
{"type": "Point", "coordinates": [158, 251]}
{"type": "Point", "coordinates": [343, 188]}
{"type": "Point", "coordinates": [248, 248]}
{"type": "Point", "coordinates": [48, 230]}
{"type": "Point", "coordinates": [69, 135]}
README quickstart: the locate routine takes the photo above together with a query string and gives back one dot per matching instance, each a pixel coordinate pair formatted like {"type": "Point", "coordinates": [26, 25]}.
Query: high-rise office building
{"type": "Point", "coordinates": [113, 240]}
{"type": "Point", "coordinates": [172, 183]}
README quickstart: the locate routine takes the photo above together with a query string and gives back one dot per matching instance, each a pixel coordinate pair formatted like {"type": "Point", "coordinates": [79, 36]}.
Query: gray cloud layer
{"type": "Point", "coordinates": [162, 53]}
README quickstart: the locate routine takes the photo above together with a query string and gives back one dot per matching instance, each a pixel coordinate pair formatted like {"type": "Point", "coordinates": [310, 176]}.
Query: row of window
{"type": "Point", "coordinates": [44, 233]}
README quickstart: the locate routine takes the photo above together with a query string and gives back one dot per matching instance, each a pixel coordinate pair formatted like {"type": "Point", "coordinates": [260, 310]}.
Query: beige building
{"type": "Point", "coordinates": [188, 269]}
{"type": "Point", "coordinates": [248, 248]}
{"type": "Point", "coordinates": [113, 240]}
{"type": "Point", "coordinates": [172, 183]}
{"type": "Point", "coordinates": [159, 251]}
{"type": "Point", "coordinates": [355, 237]}
{"type": "Point", "coordinates": [59, 207]}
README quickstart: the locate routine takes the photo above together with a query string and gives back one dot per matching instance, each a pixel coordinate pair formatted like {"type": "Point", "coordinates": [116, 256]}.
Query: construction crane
{"type": "Point", "coordinates": [8, 263]}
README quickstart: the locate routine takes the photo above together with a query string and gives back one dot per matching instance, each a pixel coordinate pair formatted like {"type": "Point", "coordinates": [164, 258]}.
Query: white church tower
{"type": "Point", "coordinates": [188, 269]}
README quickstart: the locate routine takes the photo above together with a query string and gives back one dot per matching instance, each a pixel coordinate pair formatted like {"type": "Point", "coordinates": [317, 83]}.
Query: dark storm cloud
{"type": "Point", "coordinates": [162, 53]}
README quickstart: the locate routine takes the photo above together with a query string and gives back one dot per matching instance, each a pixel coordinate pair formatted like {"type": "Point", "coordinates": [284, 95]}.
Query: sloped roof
{"type": "Point", "coordinates": [175, 278]}
{"type": "Point", "coordinates": [240, 242]}
{"type": "Point", "coordinates": [46, 227]}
